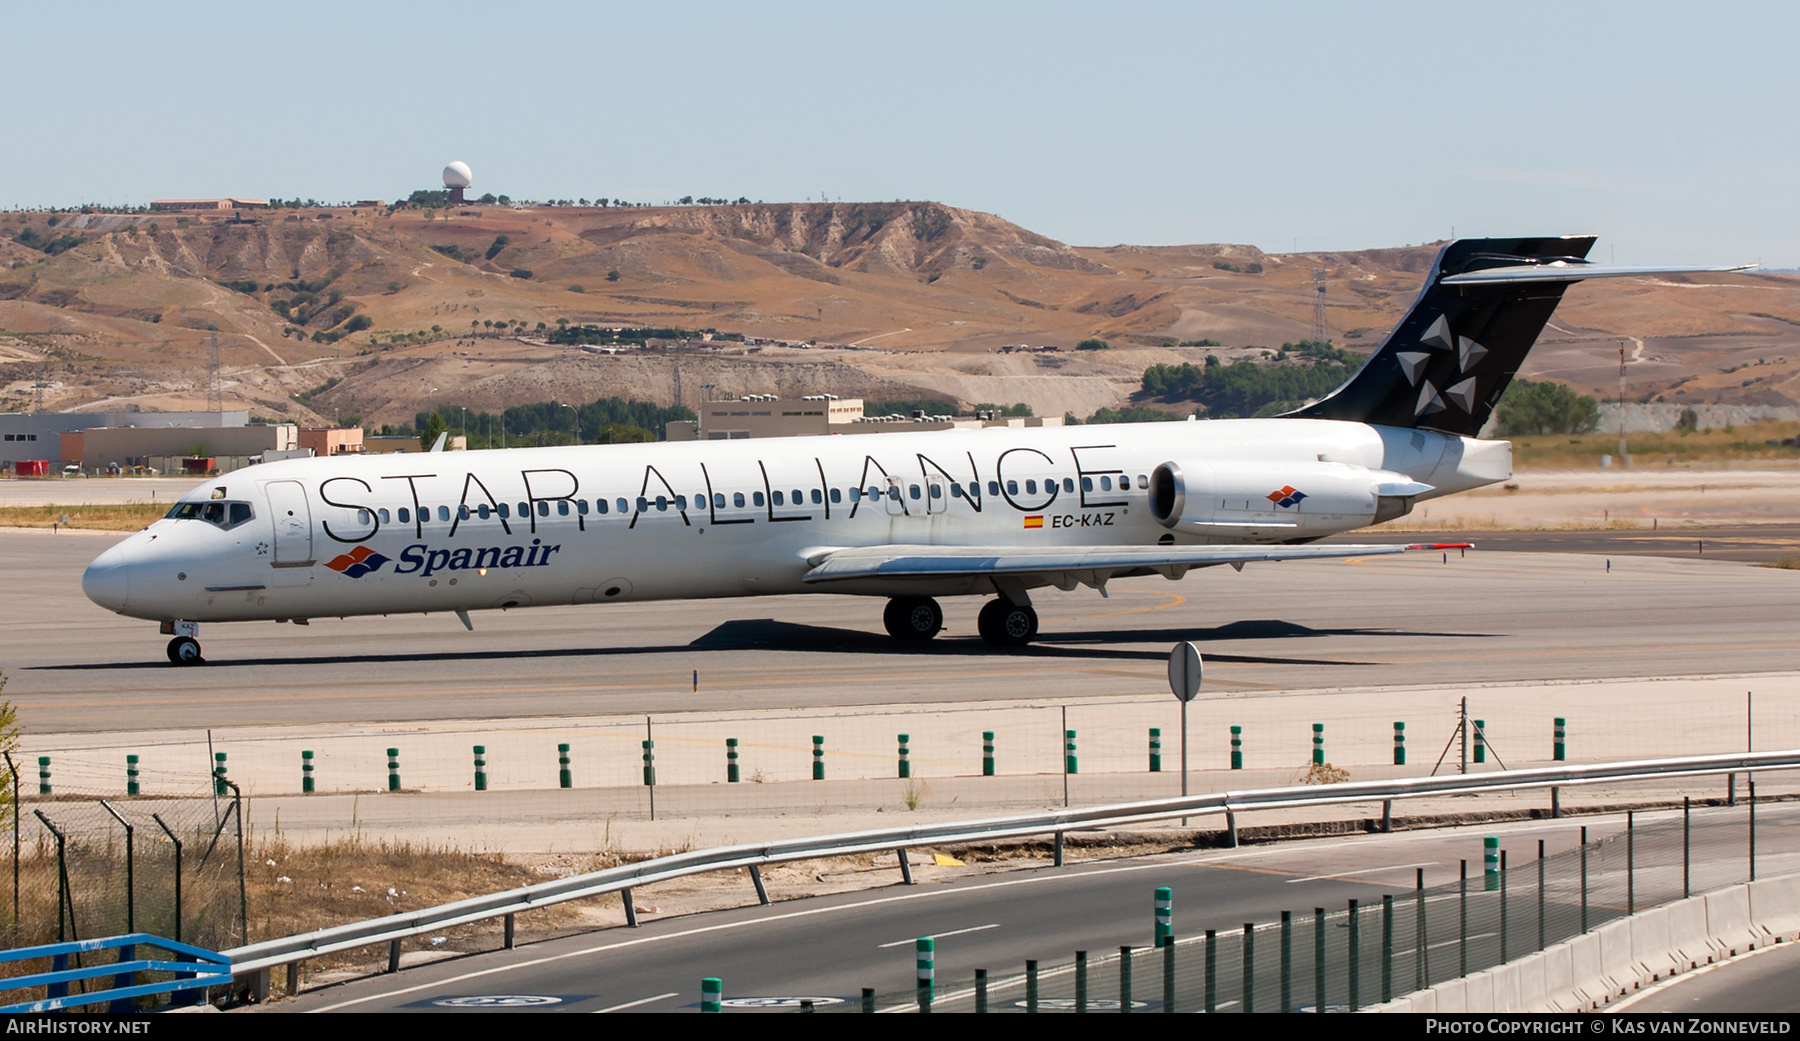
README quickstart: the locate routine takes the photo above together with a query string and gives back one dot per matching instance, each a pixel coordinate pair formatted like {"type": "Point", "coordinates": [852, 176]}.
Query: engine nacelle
{"type": "Point", "coordinates": [1276, 501]}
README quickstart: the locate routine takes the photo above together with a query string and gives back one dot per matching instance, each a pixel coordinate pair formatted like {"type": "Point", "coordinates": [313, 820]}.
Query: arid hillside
{"type": "Point", "coordinates": [395, 309]}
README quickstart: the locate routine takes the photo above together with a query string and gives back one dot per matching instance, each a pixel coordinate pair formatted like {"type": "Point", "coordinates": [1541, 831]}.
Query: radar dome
{"type": "Point", "coordinates": [457, 175]}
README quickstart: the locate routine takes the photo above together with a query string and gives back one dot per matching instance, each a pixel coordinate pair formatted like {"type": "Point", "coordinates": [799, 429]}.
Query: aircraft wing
{"type": "Point", "coordinates": [1077, 563]}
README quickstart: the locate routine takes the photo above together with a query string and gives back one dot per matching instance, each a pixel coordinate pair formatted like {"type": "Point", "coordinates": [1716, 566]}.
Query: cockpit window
{"type": "Point", "coordinates": [226, 515]}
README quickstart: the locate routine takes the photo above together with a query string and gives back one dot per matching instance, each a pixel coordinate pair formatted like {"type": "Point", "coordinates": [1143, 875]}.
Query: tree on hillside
{"type": "Point", "coordinates": [1544, 408]}
{"type": "Point", "coordinates": [428, 434]}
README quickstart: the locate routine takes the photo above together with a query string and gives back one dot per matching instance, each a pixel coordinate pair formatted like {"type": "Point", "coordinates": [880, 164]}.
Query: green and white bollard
{"type": "Point", "coordinates": [818, 757]}
{"type": "Point", "coordinates": [306, 771]}
{"type": "Point", "coordinates": [649, 763]}
{"type": "Point", "coordinates": [731, 763]}
{"type": "Point", "coordinates": [393, 769]}
{"type": "Point", "coordinates": [1481, 740]}
{"type": "Point", "coordinates": [1490, 863]}
{"type": "Point", "coordinates": [1399, 743]}
{"type": "Point", "coordinates": [1069, 763]}
{"type": "Point", "coordinates": [1318, 744]}
{"type": "Point", "coordinates": [1165, 917]}
{"type": "Point", "coordinates": [219, 774]}
{"type": "Point", "coordinates": [131, 775]}
{"type": "Point", "coordinates": [1156, 750]}
{"type": "Point", "coordinates": [987, 753]}
{"type": "Point", "coordinates": [925, 953]}
{"type": "Point", "coordinates": [905, 762]}
{"type": "Point", "coordinates": [481, 768]}
{"type": "Point", "coordinates": [1237, 747]}
{"type": "Point", "coordinates": [1562, 734]}
{"type": "Point", "coordinates": [712, 994]}
{"type": "Point", "coordinates": [43, 775]}
{"type": "Point", "coordinates": [565, 777]}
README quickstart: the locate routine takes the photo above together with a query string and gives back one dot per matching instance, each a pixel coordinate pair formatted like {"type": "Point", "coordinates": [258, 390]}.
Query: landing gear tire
{"type": "Point", "coordinates": [185, 650]}
{"type": "Point", "coordinates": [1003, 623]}
{"type": "Point", "coordinates": [914, 618]}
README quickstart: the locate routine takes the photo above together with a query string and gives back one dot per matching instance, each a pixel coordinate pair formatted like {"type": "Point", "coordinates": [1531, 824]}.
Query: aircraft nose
{"type": "Point", "coordinates": [107, 581]}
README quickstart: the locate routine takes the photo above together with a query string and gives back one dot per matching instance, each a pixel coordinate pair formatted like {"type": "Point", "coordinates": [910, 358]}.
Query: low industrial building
{"type": "Point", "coordinates": [770, 415]}
{"type": "Point", "coordinates": [177, 449]}
{"type": "Point", "coordinates": [36, 436]}
{"type": "Point", "coordinates": [324, 441]}
{"type": "Point", "coordinates": [210, 204]}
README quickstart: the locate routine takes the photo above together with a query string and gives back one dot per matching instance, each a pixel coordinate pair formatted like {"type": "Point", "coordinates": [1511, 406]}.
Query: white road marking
{"type": "Point", "coordinates": [702, 930]}
{"type": "Point", "coordinates": [634, 1004]}
{"type": "Point", "coordinates": [1364, 871]}
{"type": "Point", "coordinates": [938, 936]}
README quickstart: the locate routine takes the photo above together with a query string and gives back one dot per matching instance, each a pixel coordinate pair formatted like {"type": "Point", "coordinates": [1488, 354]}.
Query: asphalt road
{"type": "Point", "coordinates": [831, 947]}
{"type": "Point", "coordinates": [1487, 617]}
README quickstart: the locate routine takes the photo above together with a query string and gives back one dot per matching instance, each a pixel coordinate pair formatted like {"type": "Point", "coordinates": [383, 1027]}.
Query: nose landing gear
{"type": "Point", "coordinates": [184, 649]}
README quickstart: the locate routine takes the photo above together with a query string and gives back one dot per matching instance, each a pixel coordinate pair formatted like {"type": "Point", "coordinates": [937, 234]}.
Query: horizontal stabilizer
{"type": "Point", "coordinates": [1102, 561]}
{"type": "Point", "coordinates": [1573, 271]}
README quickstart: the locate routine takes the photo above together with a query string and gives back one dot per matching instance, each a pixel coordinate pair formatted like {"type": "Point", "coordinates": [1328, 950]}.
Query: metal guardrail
{"type": "Point", "coordinates": [194, 968]}
{"type": "Point", "coordinates": [258, 957]}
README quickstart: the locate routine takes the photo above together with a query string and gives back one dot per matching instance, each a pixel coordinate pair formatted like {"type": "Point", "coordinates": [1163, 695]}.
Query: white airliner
{"type": "Point", "coordinates": [910, 517]}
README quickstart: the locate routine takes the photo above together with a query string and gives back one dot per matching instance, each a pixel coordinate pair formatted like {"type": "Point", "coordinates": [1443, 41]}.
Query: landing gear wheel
{"type": "Point", "coordinates": [913, 617]}
{"type": "Point", "coordinates": [1003, 623]}
{"type": "Point", "coordinates": [184, 650]}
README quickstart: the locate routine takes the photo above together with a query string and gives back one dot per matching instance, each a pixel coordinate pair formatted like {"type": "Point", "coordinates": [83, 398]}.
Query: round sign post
{"type": "Point", "coordinates": [1184, 680]}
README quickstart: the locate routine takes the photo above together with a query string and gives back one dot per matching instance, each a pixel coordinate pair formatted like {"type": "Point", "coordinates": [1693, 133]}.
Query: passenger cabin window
{"type": "Point", "coordinates": [462, 512]}
{"type": "Point", "coordinates": [718, 500]}
{"type": "Point", "coordinates": [1012, 487]}
{"type": "Point", "coordinates": [444, 514]}
{"type": "Point", "coordinates": [363, 516]}
{"type": "Point", "coordinates": [779, 500]}
{"type": "Point", "coordinates": [913, 490]}
{"type": "Point", "coordinates": [623, 506]}
{"type": "Point", "coordinates": [681, 502]}
{"type": "Point", "coordinates": [405, 515]}
{"type": "Point", "coordinates": [562, 507]}
{"type": "Point", "coordinates": [504, 510]}
{"type": "Point", "coordinates": [581, 507]}
{"type": "Point", "coordinates": [1106, 484]}
{"type": "Point", "coordinates": [483, 511]}
{"type": "Point", "coordinates": [662, 504]}
{"type": "Point", "coordinates": [1143, 483]}
{"type": "Point", "coordinates": [737, 498]}
{"type": "Point", "coordinates": [1068, 484]}
{"type": "Point", "coordinates": [817, 497]}
{"type": "Point", "coordinates": [856, 495]}
{"type": "Point", "coordinates": [1087, 484]}
{"type": "Point", "coordinates": [937, 491]}
{"type": "Point", "coordinates": [993, 487]}
{"type": "Point", "coordinates": [600, 506]}
{"type": "Point", "coordinates": [757, 498]}
{"type": "Point", "coordinates": [837, 495]}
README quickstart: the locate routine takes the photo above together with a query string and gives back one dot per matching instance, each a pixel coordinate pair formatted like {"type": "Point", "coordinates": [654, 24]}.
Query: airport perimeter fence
{"type": "Point", "coordinates": [1504, 904]}
{"type": "Point", "coordinates": [80, 863]}
{"type": "Point", "coordinates": [936, 758]}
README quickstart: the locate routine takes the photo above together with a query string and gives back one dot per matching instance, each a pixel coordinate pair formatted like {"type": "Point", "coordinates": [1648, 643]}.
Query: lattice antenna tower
{"type": "Point", "coordinates": [215, 389]}
{"type": "Point", "coordinates": [1318, 321]}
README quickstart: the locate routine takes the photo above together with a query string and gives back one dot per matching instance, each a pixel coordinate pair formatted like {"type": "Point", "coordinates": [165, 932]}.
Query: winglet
{"type": "Point", "coordinates": [438, 445]}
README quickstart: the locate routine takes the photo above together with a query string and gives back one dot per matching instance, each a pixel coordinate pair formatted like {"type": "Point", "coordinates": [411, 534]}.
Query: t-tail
{"type": "Point", "coordinates": [1446, 364]}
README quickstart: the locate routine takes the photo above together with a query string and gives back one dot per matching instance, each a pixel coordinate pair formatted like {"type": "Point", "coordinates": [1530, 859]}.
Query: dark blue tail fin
{"type": "Point", "coordinates": [1448, 361]}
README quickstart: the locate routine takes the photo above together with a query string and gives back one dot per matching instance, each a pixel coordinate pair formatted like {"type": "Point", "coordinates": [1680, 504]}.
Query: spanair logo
{"type": "Point", "coordinates": [358, 562]}
{"type": "Point", "coordinates": [1286, 497]}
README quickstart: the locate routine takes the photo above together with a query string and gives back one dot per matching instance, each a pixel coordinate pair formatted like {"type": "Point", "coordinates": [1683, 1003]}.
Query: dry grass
{"type": "Point", "coordinates": [1790, 564]}
{"type": "Point", "coordinates": [1669, 448]}
{"type": "Point", "coordinates": [131, 516]}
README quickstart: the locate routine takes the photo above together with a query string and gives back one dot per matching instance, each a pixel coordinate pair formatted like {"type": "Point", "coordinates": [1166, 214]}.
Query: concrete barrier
{"type": "Point", "coordinates": [1773, 904]}
{"type": "Point", "coordinates": [1589, 971]}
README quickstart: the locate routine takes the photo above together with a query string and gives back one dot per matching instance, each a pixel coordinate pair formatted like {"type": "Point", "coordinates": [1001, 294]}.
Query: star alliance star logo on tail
{"type": "Point", "coordinates": [1286, 497]}
{"type": "Point", "coordinates": [358, 562]}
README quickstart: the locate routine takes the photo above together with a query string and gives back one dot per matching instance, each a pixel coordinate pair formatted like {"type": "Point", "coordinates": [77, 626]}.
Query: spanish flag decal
{"type": "Point", "coordinates": [1035, 522]}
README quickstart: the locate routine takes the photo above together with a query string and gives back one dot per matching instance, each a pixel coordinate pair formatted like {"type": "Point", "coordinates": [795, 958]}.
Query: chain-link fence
{"type": "Point", "coordinates": [1344, 959]}
{"type": "Point", "coordinates": [81, 864]}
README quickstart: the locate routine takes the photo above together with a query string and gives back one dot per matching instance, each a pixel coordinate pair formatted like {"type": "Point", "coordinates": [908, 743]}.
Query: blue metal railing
{"type": "Point", "coordinates": [194, 968]}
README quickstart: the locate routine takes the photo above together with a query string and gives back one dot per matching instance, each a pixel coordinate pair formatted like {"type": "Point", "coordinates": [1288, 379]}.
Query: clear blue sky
{"type": "Point", "coordinates": [1668, 129]}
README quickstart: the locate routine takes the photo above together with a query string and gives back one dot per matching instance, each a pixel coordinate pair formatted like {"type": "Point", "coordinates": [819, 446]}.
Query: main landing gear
{"type": "Point", "coordinates": [184, 649]}
{"type": "Point", "coordinates": [913, 618]}
{"type": "Point", "coordinates": [1002, 623]}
